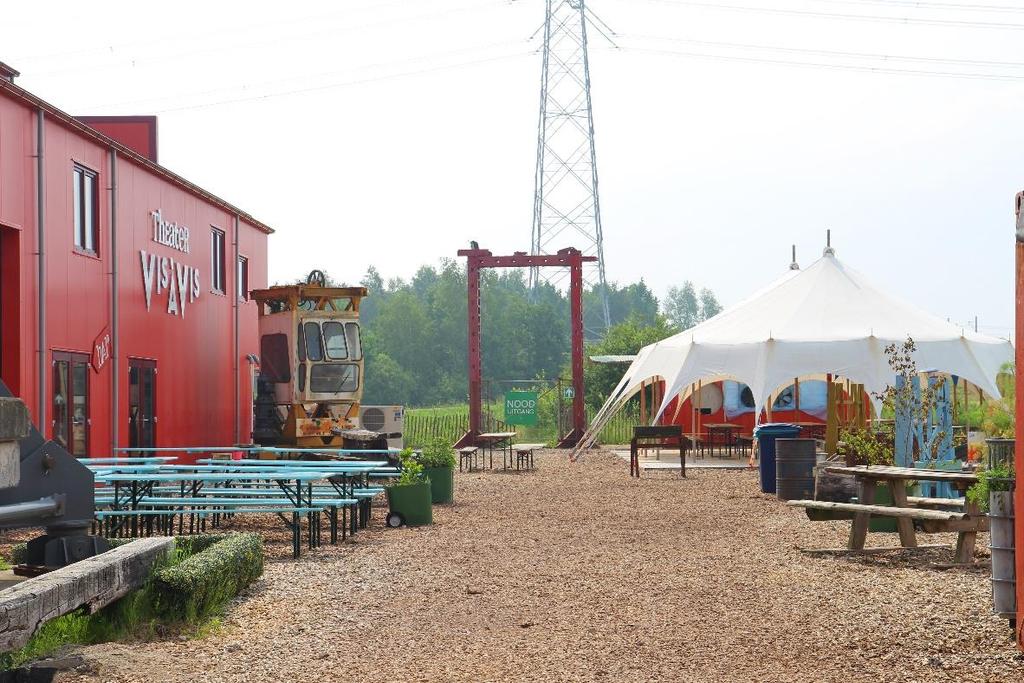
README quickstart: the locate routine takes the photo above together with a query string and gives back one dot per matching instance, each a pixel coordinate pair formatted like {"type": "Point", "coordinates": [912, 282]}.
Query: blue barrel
{"type": "Point", "coordinates": [766, 435]}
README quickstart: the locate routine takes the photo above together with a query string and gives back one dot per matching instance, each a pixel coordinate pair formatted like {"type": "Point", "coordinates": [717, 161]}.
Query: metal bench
{"type": "Point", "coordinates": [468, 456]}
{"type": "Point", "coordinates": [524, 454]}
{"type": "Point", "coordinates": [295, 524]}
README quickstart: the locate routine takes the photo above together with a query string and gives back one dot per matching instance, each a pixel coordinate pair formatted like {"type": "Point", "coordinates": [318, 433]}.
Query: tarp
{"type": "Point", "coordinates": [826, 318]}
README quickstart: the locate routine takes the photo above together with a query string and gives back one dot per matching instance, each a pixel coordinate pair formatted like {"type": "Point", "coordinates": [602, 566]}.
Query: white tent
{"type": "Point", "coordinates": [824, 319]}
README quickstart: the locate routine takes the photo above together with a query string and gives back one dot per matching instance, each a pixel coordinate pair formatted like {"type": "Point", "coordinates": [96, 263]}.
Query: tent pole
{"type": "Point", "coordinates": [700, 414]}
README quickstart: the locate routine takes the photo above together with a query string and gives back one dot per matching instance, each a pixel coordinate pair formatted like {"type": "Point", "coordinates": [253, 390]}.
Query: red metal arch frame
{"type": "Point", "coordinates": [570, 258]}
{"type": "Point", "coordinates": [1019, 409]}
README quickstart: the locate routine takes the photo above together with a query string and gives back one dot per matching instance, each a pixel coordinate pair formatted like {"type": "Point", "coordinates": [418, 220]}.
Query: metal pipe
{"type": "Point", "coordinates": [41, 271]}
{"type": "Point", "coordinates": [238, 426]}
{"type": "Point", "coordinates": [114, 310]}
{"type": "Point", "coordinates": [44, 507]}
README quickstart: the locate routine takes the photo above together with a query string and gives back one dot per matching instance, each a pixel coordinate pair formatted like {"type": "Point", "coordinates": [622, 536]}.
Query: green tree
{"type": "Point", "coordinates": [681, 306]}
{"type": "Point", "coordinates": [709, 306]}
{"type": "Point", "coordinates": [624, 339]}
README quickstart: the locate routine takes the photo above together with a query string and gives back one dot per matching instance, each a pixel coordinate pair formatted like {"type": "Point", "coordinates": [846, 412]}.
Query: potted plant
{"type": "Point", "coordinates": [438, 461]}
{"type": "Point", "coordinates": [409, 495]}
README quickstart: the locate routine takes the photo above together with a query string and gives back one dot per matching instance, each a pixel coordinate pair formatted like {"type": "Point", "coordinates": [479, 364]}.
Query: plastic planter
{"type": "Point", "coordinates": [442, 483]}
{"type": "Point", "coordinates": [412, 502]}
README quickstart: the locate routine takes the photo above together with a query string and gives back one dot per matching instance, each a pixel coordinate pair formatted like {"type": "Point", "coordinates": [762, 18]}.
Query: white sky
{"type": "Point", "coordinates": [392, 132]}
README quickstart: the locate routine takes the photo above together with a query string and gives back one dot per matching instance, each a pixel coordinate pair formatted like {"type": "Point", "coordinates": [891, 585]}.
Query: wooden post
{"type": "Point", "coordinates": [905, 525]}
{"type": "Point", "coordinates": [94, 582]}
{"type": "Point", "coordinates": [832, 416]}
{"type": "Point", "coordinates": [796, 395]}
{"type": "Point", "coordinates": [700, 416]}
{"type": "Point", "coordinates": [859, 528]}
{"type": "Point", "coordinates": [643, 403]}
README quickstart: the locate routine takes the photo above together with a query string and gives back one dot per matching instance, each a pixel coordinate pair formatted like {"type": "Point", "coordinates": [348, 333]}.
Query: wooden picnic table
{"type": "Point", "coordinates": [966, 524]}
{"type": "Point", "coordinates": [727, 432]}
{"type": "Point", "coordinates": [492, 440]}
{"type": "Point", "coordinates": [811, 430]}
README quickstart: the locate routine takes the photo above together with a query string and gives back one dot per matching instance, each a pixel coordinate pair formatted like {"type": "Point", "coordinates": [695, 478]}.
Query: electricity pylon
{"type": "Point", "coordinates": [566, 207]}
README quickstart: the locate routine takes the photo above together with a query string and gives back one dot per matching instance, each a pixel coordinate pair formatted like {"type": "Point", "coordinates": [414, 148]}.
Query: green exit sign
{"type": "Point", "coordinates": [521, 408]}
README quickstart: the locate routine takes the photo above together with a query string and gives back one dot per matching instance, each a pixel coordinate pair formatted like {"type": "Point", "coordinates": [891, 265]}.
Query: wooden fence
{"type": "Point", "coordinates": [421, 427]}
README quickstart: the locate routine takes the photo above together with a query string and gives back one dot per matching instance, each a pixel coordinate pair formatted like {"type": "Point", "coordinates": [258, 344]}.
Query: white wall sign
{"type": "Point", "coordinates": [169, 234]}
{"type": "Point", "coordinates": [163, 274]}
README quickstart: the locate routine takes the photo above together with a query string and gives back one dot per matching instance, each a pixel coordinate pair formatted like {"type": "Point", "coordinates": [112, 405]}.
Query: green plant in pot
{"type": "Point", "coordinates": [409, 495]}
{"type": "Point", "coordinates": [438, 461]}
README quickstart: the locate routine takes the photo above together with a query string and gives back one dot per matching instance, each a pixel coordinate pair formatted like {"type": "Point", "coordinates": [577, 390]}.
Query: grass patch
{"type": "Point", "coordinates": [186, 589]}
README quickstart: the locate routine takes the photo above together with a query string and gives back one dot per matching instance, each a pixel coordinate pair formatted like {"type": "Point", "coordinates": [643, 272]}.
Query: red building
{"type": "Point", "coordinates": [125, 318]}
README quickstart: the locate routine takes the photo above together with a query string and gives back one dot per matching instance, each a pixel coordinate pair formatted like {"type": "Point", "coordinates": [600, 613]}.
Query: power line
{"type": "Point", "coordinates": [247, 41]}
{"type": "Point", "coordinates": [937, 6]}
{"type": "Point", "coordinates": [341, 84]}
{"type": "Point", "coordinates": [832, 53]}
{"type": "Point", "coordinates": [291, 81]}
{"type": "Point", "coordinates": [826, 65]}
{"type": "Point", "coordinates": [994, 25]}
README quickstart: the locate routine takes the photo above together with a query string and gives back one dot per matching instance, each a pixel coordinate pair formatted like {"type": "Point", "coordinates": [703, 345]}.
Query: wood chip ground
{"type": "Point", "coordinates": [579, 573]}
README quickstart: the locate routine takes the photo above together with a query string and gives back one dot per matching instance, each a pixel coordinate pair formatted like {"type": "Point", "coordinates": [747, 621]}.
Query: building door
{"type": "Point", "coordinates": [10, 255]}
{"type": "Point", "coordinates": [71, 402]}
{"type": "Point", "coordinates": [141, 403]}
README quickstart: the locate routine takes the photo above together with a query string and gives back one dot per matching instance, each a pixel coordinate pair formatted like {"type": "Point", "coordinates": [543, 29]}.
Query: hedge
{"type": "Point", "coordinates": [203, 582]}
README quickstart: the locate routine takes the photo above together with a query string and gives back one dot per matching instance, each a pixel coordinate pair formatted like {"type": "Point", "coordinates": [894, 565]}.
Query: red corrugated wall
{"type": "Point", "coordinates": [195, 353]}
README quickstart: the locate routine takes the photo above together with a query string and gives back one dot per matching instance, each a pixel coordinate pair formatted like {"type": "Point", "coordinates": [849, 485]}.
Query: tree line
{"type": "Point", "coordinates": [415, 338]}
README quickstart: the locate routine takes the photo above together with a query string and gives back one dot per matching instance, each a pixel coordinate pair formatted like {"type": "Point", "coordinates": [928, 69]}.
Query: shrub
{"type": "Point", "coordinates": [438, 453]}
{"type": "Point", "coordinates": [412, 471]}
{"type": "Point", "coordinates": [994, 479]}
{"type": "Point", "coordinates": [202, 574]}
{"type": "Point", "coordinates": [864, 447]}
{"type": "Point", "coordinates": [204, 582]}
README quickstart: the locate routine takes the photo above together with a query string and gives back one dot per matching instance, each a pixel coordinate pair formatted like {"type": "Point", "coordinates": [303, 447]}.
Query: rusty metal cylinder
{"type": "Point", "coordinates": [794, 468]}
{"type": "Point", "coordinates": [1004, 585]}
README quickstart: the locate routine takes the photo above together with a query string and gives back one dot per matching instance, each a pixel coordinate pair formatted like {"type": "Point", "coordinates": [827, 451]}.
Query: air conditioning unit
{"type": "Point", "coordinates": [388, 420]}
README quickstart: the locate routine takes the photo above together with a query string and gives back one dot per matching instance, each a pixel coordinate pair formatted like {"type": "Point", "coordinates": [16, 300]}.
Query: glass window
{"type": "Point", "coordinates": [85, 200]}
{"type": "Point", "coordinates": [300, 343]}
{"type": "Point", "coordinates": [314, 346]}
{"type": "Point", "coordinates": [79, 407]}
{"type": "Point", "coordinates": [275, 366]}
{"type": "Point", "coordinates": [333, 378]}
{"type": "Point", "coordinates": [352, 334]}
{"type": "Point", "coordinates": [334, 340]}
{"type": "Point", "coordinates": [302, 377]}
{"type": "Point", "coordinates": [243, 278]}
{"type": "Point", "coordinates": [60, 403]}
{"type": "Point", "coordinates": [217, 263]}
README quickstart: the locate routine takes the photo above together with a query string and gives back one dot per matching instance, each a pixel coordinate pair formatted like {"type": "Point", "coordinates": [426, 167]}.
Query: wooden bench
{"type": "Point", "coordinates": [932, 521]}
{"type": "Point", "coordinates": [936, 502]}
{"type": "Point", "coordinates": [881, 510]}
{"type": "Point", "coordinates": [524, 454]}
{"type": "Point", "coordinates": [468, 455]}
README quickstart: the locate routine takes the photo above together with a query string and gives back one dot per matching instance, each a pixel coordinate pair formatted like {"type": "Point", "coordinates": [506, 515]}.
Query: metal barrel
{"type": "Point", "coordinates": [794, 468]}
{"type": "Point", "coordinates": [1004, 584]}
{"type": "Point", "coordinates": [1000, 451]}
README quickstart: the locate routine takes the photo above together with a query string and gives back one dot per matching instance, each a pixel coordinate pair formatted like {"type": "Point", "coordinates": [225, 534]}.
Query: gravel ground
{"type": "Point", "coordinates": [578, 573]}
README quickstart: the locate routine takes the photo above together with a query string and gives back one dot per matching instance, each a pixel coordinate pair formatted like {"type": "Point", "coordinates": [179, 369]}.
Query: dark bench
{"type": "Point", "coordinates": [658, 436]}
